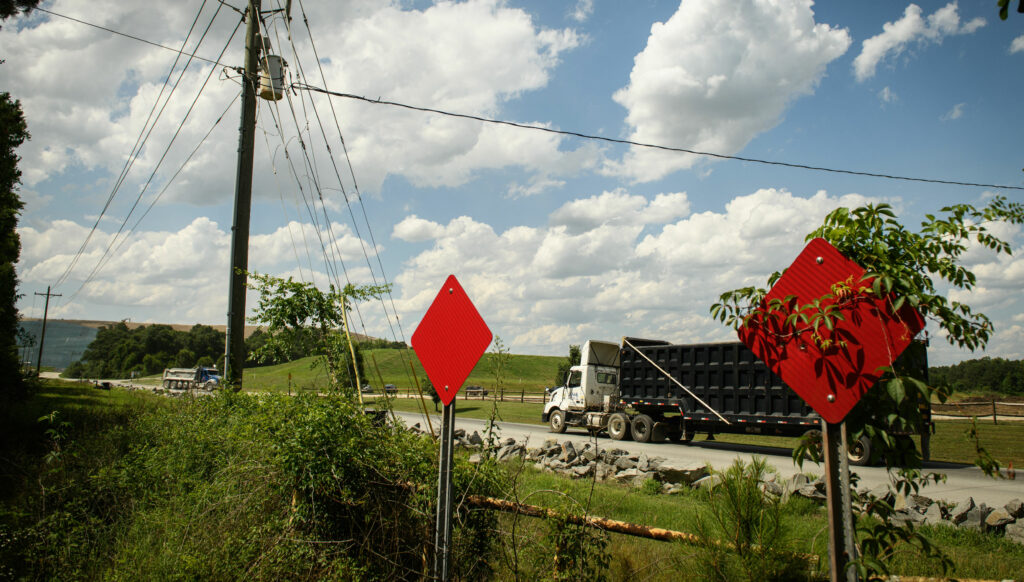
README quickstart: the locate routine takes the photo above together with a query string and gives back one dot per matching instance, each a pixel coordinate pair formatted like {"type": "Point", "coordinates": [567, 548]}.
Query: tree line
{"type": "Point", "coordinates": [981, 375]}
{"type": "Point", "coordinates": [118, 352]}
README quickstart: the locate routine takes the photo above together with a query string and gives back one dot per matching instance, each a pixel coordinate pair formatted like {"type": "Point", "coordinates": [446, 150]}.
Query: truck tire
{"type": "Point", "coordinates": [618, 427]}
{"type": "Point", "coordinates": [859, 451]}
{"type": "Point", "coordinates": [643, 428]}
{"type": "Point", "coordinates": [557, 421]}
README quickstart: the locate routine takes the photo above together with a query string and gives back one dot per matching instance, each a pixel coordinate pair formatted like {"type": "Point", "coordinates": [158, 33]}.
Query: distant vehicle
{"type": "Point", "coordinates": [367, 389]}
{"type": "Point", "coordinates": [202, 377]}
{"type": "Point", "coordinates": [390, 389]}
{"type": "Point", "coordinates": [476, 391]}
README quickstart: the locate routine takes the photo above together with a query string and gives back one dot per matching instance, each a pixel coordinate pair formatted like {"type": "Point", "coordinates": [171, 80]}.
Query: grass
{"type": "Point", "coordinates": [384, 366]}
{"type": "Point", "coordinates": [804, 521]}
{"type": "Point", "coordinates": [90, 410]}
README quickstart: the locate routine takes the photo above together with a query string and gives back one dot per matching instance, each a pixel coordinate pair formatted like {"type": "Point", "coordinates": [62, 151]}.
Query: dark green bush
{"type": "Point", "coordinates": [239, 487]}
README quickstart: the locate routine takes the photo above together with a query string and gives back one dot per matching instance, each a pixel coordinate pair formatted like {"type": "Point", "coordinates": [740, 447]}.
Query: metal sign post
{"type": "Point", "coordinates": [837, 488]}
{"type": "Point", "coordinates": [449, 341]}
{"type": "Point", "coordinates": [443, 531]}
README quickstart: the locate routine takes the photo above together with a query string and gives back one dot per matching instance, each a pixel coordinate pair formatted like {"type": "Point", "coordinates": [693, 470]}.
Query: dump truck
{"type": "Point", "coordinates": [201, 378]}
{"type": "Point", "coordinates": [652, 390]}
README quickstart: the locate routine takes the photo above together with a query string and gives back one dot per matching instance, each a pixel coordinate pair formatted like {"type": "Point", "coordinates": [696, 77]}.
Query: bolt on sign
{"type": "Point", "coordinates": [827, 331]}
{"type": "Point", "coordinates": [450, 339]}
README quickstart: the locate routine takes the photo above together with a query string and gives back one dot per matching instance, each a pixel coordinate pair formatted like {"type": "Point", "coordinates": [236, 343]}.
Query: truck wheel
{"type": "Point", "coordinates": [643, 427]}
{"type": "Point", "coordinates": [618, 427]}
{"type": "Point", "coordinates": [859, 451]}
{"type": "Point", "coordinates": [557, 421]}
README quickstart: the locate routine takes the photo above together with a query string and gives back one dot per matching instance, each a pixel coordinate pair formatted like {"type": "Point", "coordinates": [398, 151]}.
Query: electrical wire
{"type": "Point", "coordinates": [140, 143]}
{"type": "Point", "coordinates": [379, 101]}
{"type": "Point", "coordinates": [133, 37]}
{"type": "Point", "coordinates": [142, 192]}
{"type": "Point", "coordinates": [170, 181]}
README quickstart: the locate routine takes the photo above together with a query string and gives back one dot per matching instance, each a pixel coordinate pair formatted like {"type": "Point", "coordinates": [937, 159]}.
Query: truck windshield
{"type": "Point", "coordinates": [605, 378]}
{"type": "Point", "coordinates": [575, 378]}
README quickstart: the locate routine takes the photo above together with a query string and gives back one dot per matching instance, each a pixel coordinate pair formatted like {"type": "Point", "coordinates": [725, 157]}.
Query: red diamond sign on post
{"type": "Point", "coordinates": [830, 367]}
{"type": "Point", "coordinates": [450, 339]}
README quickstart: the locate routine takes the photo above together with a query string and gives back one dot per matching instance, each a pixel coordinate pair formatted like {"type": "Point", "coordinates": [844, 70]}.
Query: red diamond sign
{"type": "Point", "coordinates": [830, 366]}
{"type": "Point", "coordinates": [450, 339]}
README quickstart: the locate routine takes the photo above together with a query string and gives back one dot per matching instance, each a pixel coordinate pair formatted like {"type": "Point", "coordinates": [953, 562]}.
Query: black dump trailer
{"type": "Point", "coordinates": [730, 391]}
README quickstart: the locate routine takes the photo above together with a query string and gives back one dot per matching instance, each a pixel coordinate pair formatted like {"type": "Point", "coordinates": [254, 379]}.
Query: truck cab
{"type": "Point", "coordinates": [592, 386]}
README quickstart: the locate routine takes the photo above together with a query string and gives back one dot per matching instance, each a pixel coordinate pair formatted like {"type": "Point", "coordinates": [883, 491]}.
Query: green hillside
{"type": "Point", "coordinates": [523, 373]}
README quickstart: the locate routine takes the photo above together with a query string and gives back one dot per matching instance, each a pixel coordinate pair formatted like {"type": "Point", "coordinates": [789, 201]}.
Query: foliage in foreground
{"type": "Point", "coordinates": [232, 487]}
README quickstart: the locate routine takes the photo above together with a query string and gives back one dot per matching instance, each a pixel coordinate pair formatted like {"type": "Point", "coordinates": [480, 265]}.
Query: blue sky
{"type": "Point", "coordinates": [557, 239]}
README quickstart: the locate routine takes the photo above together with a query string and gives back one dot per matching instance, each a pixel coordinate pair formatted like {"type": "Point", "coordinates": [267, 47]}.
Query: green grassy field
{"type": "Point", "coordinates": [523, 373]}
{"type": "Point", "coordinates": [89, 409]}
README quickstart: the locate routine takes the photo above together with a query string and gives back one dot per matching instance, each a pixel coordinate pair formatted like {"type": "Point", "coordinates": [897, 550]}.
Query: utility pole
{"type": "Point", "coordinates": [42, 334]}
{"type": "Point", "coordinates": [235, 348]}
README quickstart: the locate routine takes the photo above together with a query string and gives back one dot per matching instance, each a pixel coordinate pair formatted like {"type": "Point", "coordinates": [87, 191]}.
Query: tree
{"type": "Point", "coordinates": [10, 8]}
{"type": "Point", "coordinates": [13, 132]}
{"type": "Point", "coordinates": [288, 308]}
{"type": "Point", "coordinates": [563, 367]}
{"type": "Point", "coordinates": [904, 268]}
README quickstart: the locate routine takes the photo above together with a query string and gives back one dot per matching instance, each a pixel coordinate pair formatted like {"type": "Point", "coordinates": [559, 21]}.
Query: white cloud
{"type": "Point", "coordinates": [887, 95]}
{"type": "Point", "coordinates": [718, 73]}
{"type": "Point", "coordinates": [582, 11]}
{"type": "Point", "coordinates": [173, 277]}
{"type": "Point", "coordinates": [416, 229]}
{"type": "Point", "coordinates": [595, 273]}
{"type": "Point", "coordinates": [895, 36]}
{"type": "Point", "coordinates": [620, 208]}
{"type": "Point", "coordinates": [1017, 45]}
{"type": "Point", "coordinates": [955, 113]}
{"type": "Point", "coordinates": [91, 92]}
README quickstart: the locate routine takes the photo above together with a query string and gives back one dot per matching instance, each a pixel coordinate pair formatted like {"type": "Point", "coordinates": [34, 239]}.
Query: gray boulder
{"type": "Point", "coordinates": [568, 452]}
{"type": "Point", "coordinates": [975, 518]}
{"type": "Point", "coordinates": [604, 471]}
{"type": "Point", "coordinates": [1015, 531]}
{"type": "Point", "coordinates": [1015, 508]}
{"type": "Point", "coordinates": [998, 519]}
{"type": "Point", "coordinates": [933, 515]}
{"type": "Point", "coordinates": [670, 473]}
{"type": "Point", "coordinates": [959, 513]}
{"type": "Point", "coordinates": [625, 462]}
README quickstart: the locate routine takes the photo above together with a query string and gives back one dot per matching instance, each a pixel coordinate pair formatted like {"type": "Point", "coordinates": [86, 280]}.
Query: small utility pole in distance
{"type": "Point", "coordinates": [42, 334]}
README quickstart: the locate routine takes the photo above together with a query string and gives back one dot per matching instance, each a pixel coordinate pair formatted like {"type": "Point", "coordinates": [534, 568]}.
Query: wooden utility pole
{"type": "Point", "coordinates": [243, 202]}
{"type": "Point", "coordinates": [42, 334]}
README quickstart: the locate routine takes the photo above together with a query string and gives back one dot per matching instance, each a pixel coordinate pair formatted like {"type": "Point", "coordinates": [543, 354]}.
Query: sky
{"type": "Point", "coordinates": [556, 238]}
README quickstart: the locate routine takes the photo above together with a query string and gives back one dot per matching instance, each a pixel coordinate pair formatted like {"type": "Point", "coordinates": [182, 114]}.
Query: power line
{"type": "Point", "coordinates": [133, 37]}
{"type": "Point", "coordinates": [379, 101]}
{"type": "Point", "coordinates": [163, 156]}
{"type": "Point", "coordinates": [141, 140]}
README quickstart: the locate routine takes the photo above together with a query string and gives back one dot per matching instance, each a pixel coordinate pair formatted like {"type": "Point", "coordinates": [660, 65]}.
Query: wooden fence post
{"type": "Point", "coordinates": [994, 421]}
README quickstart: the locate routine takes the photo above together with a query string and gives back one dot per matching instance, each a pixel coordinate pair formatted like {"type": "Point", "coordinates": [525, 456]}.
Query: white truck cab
{"type": "Point", "coordinates": [592, 386]}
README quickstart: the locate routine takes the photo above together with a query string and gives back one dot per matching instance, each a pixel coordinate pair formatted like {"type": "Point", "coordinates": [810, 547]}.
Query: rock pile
{"type": "Point", "coordinates": [616, 465]}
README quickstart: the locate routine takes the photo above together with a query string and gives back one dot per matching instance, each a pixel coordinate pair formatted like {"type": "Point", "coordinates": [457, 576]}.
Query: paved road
{"type": "Point", "coordinates": [963, 481]}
